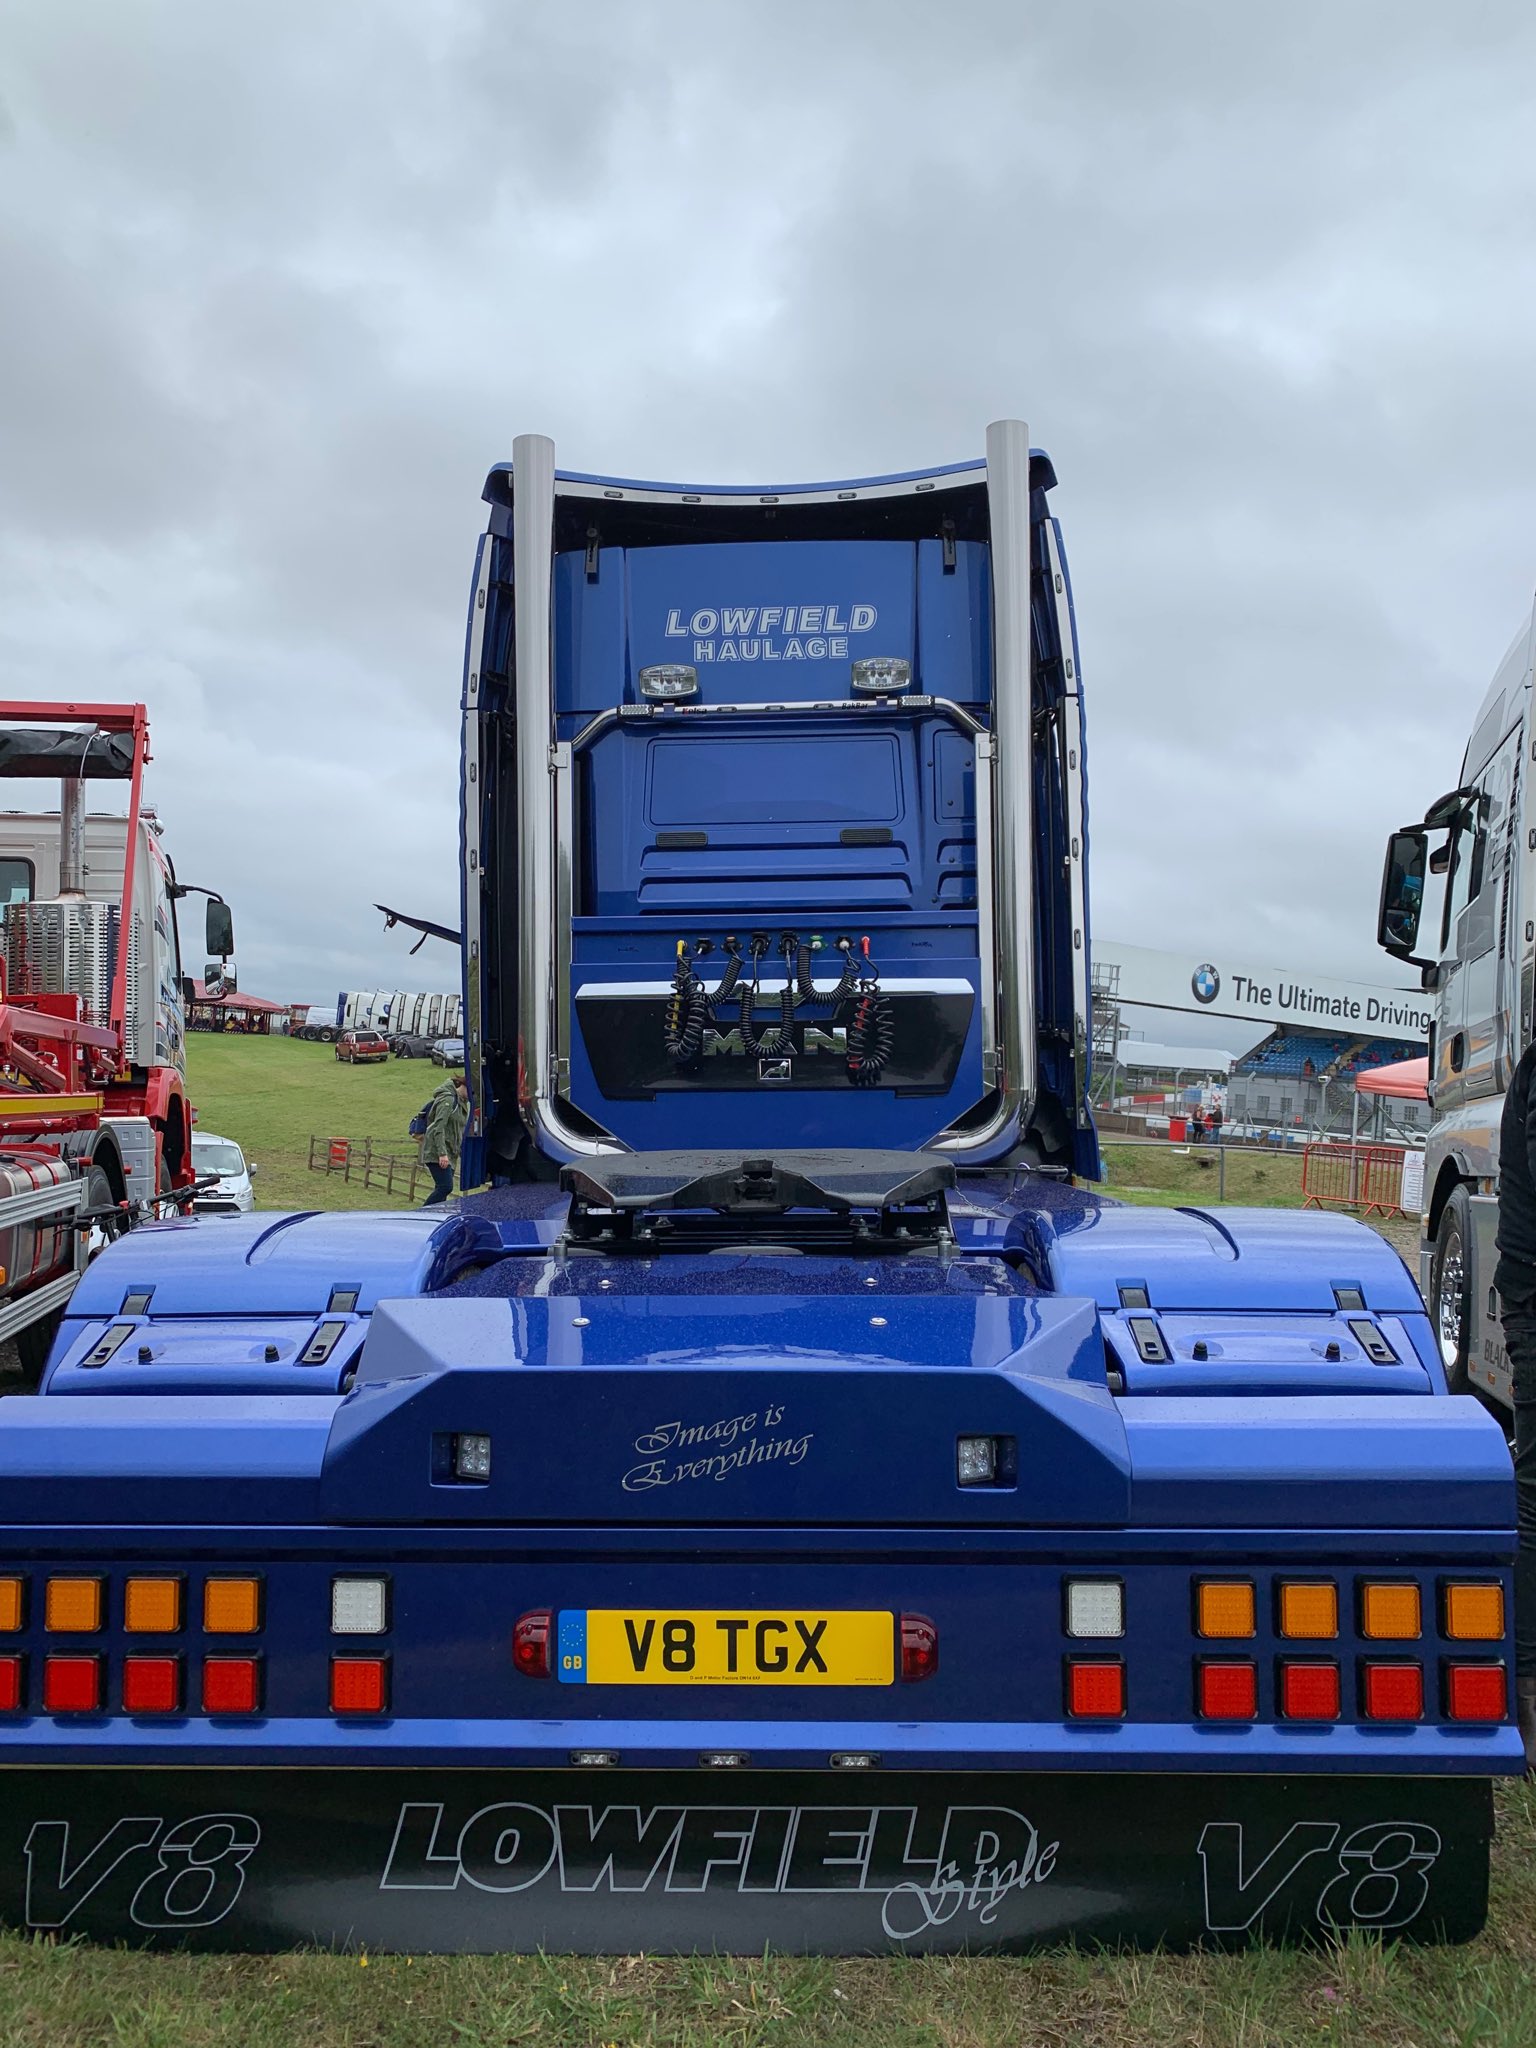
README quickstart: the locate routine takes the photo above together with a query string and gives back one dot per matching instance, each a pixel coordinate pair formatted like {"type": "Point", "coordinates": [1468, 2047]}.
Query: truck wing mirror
{"type": "Point", "coordinates": [1402, 894]}
{"type": "Point", "coordinates": [220, 929]}
{"type": "Point", "coordinates": [219, 979]}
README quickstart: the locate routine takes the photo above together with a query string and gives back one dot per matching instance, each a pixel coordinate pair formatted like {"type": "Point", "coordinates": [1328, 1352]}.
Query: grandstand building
{"type": "Point", "coordinates": [1298, 1080]}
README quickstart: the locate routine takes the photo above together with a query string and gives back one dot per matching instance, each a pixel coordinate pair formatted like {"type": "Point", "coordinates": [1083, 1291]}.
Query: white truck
{"type": "Point", "coordinates": [1458, 900]}
{"type": "Point", "coordinates": [390, 1010]}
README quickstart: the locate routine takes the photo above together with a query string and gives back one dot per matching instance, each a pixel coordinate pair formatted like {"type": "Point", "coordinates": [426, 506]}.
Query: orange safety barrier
{"type": "Point", "coordinates": [1364, 1177]}
{"type": "Point", "coordinates": [337, 1154]}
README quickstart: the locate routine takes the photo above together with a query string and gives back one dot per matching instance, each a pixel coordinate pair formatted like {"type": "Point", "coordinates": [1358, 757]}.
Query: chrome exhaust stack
{"type": "Point", "coordinates": [543, 943]}
{"type": "Point", "coordinates": [1005, 815]}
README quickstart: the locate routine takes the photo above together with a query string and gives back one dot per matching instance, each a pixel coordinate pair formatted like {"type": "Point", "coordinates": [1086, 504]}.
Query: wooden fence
{"type": "Point", "coordinates": [355, 1159]}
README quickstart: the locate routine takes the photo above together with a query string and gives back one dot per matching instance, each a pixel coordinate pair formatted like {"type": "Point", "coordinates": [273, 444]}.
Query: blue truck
{"type": "Point", "coordinates": [786, 1504]}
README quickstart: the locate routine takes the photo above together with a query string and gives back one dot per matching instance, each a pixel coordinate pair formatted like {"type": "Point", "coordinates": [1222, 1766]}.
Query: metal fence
{"type": "Point", "coordinates": [1364, 1177]}
{"type": "Point", "coordinates": [355, 1159]}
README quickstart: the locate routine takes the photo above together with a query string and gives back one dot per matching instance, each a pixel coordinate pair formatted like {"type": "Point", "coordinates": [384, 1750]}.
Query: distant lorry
{"type": "Point", "coordinates": [1458, 900]}
{"type": "Point", "coordinates": [95, 1125]}
{"type": "Point", "coordinates": [392, 1011]}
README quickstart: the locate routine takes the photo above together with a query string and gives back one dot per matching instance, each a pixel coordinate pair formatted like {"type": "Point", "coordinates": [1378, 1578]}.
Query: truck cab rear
{"type": "Point", "coordinates": [815, 1517]}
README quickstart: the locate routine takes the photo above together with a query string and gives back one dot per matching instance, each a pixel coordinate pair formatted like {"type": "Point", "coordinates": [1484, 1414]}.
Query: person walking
{"type": "Point", "coordinates": [1515, 1279]}
{"type": "Point", "coordinates": [446, 1118]}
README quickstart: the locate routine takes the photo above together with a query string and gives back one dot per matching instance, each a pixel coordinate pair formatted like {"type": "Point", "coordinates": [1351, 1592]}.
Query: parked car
{"type": "Point", "coordinates": [448, 1052]}
{"type": "Point", "coordinates": [233, 1195]}
{"type": "Point", "coordinates": [358, 1046]}
{"type": "Point", "coordinates": [411, 1045]}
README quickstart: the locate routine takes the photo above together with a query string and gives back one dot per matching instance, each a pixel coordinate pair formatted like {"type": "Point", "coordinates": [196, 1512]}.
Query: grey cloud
{"type": "Point", "coordinates": [277, 295]}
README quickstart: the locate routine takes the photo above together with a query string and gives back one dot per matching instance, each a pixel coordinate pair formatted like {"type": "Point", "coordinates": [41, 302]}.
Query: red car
{"type": "Point", "coordinates": [358, 1046]}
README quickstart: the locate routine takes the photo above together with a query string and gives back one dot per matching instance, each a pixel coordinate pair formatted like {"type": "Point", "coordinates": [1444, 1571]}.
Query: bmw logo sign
{"type": "Point", "coordinates": [1206, 983]}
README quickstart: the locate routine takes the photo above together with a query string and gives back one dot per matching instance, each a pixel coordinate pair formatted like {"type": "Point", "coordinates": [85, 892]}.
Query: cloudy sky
{"type": "Point", "coordinates": [278, 284]}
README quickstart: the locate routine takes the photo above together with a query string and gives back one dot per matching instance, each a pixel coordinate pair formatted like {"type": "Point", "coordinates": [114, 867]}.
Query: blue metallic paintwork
{"type": "Point", "coordinates": [164, 1458]}
{"type": "Point", "coordinates": [264, 1264]}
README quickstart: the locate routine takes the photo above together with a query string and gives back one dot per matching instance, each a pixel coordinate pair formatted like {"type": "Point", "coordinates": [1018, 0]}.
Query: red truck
{"type": "Point", "coordinates": [95, 1126]}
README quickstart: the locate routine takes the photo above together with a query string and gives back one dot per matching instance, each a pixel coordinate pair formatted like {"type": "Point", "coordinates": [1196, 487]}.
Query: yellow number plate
{"type": "Point", "coordinates": [646, 1646]}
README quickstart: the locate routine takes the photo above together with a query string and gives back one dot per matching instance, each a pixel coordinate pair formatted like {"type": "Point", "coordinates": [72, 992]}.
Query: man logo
{"type": "Point", "coordinates": [1206, 983]}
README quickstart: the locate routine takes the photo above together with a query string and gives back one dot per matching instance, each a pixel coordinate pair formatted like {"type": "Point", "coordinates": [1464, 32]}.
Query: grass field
{"type": "Point", "coordinates": [1157, 1173]}
{"type": "Point", "coordinates": [271, 1095]}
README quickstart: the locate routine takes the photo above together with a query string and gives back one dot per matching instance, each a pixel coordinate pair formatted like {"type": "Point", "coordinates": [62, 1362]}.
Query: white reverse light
{"type": "Point", "coordinates": [471, 1457]}
{"type": "Point", "coordinates": [668, 680]}
{"type": "Point", "coordinates": [976, 1460]}
{"type": "Point", "coordinates": [882, 675]}
{"type": "Point", "coordinates": [359, 1607]}
{"type": "Point", "coordinates": [1095, 1607]}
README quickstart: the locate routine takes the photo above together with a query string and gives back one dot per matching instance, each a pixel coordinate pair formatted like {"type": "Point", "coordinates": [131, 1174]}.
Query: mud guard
{"type": "Point", "coordinates": [842, 1863]}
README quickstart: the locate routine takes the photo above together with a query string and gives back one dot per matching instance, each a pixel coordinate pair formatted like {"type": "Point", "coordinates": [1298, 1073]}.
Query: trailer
{"type": "Point", "coordinates": [94, 1118]}
{"type": "Point", "coordinates": [783, 1503]}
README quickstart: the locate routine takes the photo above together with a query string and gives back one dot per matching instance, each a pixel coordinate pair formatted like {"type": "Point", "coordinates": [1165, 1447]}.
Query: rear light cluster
{"type": "Point", "coordinates": [160, 1679]}
{"type": "Point", "coordinates": [1307, 1686]}
{"type": "Point", "coordinates": [76, 1679]}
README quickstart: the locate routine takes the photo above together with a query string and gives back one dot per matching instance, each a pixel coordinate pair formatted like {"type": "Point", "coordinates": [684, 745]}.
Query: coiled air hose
{"type": "Point", "coordinates": [687, 1012]}
{"type": "Point", "coordinates": [872, 1026]}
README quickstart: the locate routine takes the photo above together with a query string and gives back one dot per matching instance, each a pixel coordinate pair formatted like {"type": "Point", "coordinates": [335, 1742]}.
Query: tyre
{"type": "Point", "coordinates": [1450, 1290]}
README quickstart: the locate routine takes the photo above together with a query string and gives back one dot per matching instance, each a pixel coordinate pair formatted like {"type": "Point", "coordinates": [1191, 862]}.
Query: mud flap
{"type": "Point", "coordinates": [815, 1863]}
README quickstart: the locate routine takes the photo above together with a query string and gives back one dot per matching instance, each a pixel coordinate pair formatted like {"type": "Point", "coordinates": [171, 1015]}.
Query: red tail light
{"type": "Point", "coordinates": [1228, 1692]}
{"type": "Point", "coordinates": [1393, 1692]}
{"type": "Point", "coordinates": [231, 1685]}
{"type": "Point", "coordinates": [11, 1691]}
{"type": "Point", "coordinates": [919, 1647]}
{"type": "Point", "coordinates": [151, 1685]}
{"type": "Point", "coordinates": [359, 1685]}
{"type": "Point", "coordinates": [1476, 1692]}
{"type": "Point", "coordinates": [72, 1685]}
{"type": "Point", "coordinates": [1095, 1690]}
{"type": "Point", "coordinates": [530, 1642]}
{"type": "Point", "coordinates": [1309, 1692]}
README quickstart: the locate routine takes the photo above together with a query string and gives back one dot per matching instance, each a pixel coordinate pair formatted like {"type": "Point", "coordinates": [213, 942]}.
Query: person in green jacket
{"type": "Point", "coordinates": [444, 1134]}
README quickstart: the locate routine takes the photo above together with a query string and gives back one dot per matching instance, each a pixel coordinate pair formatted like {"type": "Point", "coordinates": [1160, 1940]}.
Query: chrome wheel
{"type": "Point", "coordinates": [1449, 1290]}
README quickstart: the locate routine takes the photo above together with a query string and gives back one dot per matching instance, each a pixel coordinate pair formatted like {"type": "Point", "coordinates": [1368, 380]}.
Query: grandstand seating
{"type": "Point", "coordinates": [1312, 1055]}
{"type": "Point", "coordinates": [1285, 1055]}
